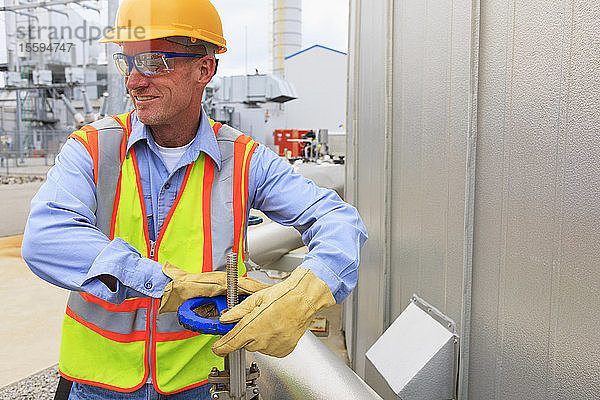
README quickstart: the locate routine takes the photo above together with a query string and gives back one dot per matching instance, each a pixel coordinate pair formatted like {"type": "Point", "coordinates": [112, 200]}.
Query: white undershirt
{"type": "Point", "coordinates": [172, 155]}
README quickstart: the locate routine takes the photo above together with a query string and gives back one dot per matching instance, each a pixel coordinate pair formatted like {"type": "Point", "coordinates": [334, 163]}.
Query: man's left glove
{"type": "Point", "coordinates": [273, 320]}
{"type": "Point", "coordinates": [187, 285]}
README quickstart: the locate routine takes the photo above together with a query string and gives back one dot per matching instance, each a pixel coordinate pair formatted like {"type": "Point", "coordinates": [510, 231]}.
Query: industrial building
{"type": "Point", "coordinates": [470, 136]}
{"type": "Point", "coordinates": [319, 75]}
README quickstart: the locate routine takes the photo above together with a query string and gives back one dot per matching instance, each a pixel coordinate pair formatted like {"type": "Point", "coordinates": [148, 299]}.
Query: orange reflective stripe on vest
{"type": "Point", "coordinates": [191, 207]}
{"type": "Point", "coordinates": [88, 137]}
{"type": "Point", "coordinates": [129, 212]}
{"type": "Point", "coordinates": [244, 146]}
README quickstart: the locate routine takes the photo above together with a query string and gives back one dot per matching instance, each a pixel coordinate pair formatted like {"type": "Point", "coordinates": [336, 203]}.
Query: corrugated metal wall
{"type": "Point", "coordinates": [476, 168]}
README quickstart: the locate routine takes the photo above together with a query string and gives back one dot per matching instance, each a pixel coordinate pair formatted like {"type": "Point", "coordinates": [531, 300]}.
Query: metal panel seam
{"type": "Point", "coordinates": [469, 205]}
{"type": "Point", "coordinates": [448, 152]}
{"type": "Point", "coordinates": [388, 159]}
{"type": "Point", "coordinates": [355, 59]}
{"type": "Point", "coordinates": [555, 276]}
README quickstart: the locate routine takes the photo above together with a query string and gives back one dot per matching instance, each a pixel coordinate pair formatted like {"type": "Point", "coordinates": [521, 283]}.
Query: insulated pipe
{"type": "Point", "coordinates": [78, 117]}
{"type": "Point", "coordinates": [310, 372]}
{"type": "Point", "coordinates": [104, 105]}
{"type": "Point", "coordinates": [68, 104]}
{"type": "Point", "coordinates": [86, 102]}
{"type": "Point", "coordinates": [89, 110]}
{"type": "Point", "coordinates": [269, 242]}
{"type": "Point", "coordinates": [327, 175]}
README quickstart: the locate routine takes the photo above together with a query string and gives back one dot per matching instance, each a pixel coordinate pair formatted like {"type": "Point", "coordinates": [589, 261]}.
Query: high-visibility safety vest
{"type": "Point", "coordinates": [119, 346]}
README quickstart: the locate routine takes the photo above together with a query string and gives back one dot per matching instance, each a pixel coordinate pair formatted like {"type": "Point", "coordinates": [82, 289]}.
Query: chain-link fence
{"type": "Point", "coordinates": [30, 153]}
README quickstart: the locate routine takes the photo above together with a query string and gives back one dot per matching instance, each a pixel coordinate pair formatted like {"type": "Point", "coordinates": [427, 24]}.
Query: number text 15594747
{"type": "Point", "coordinates": [36, 47]}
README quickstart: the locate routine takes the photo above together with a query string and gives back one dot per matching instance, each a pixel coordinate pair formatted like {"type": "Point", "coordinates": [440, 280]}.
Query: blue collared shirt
{"type": "Point", "coordinates": [62, 245]}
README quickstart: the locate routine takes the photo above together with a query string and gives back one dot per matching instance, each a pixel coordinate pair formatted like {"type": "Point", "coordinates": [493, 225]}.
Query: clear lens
{"type": "Point", "coordinates": [121, 64]}
{"type": "Point", "coordinates": [151, 64]}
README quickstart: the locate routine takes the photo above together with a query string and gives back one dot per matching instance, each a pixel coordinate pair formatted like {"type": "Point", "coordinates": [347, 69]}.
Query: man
{"type": "Point", "coordinates": [140, 210]}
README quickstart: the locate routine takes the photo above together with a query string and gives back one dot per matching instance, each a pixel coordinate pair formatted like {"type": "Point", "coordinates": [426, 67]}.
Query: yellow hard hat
{"type": "Point", "coordinates": [154, 19]}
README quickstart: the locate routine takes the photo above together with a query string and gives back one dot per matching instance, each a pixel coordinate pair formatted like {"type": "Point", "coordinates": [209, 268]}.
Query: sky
{"type": "Point", "coordinates": [324, 22]}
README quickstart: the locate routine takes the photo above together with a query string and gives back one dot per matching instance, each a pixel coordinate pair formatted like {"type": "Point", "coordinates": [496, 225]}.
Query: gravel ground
{"type": "Point", "coordinates": [15, 179]}
{"type": "Point", "coordinates": [39, 386]}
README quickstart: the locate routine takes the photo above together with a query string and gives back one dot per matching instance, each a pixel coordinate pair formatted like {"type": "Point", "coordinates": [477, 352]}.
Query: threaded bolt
{"type": "Point", "coordinates": [231, 262]}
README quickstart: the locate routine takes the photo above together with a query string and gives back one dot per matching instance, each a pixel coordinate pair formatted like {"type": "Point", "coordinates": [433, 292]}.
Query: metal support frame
{"type": "Point", "coordinates": [44, 4]}
{"type": "Point", "coordinates": [55, 86]}
{"type": "Point", "coordinates": [56, 11]}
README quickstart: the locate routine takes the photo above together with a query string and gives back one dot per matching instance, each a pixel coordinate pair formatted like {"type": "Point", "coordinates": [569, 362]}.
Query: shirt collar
{"type": "Point", "coordinates": [204, 141]}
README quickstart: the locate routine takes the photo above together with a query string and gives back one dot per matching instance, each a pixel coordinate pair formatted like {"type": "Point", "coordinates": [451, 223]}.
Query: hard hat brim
{"type": "Point", "coordinates": [131, 34]}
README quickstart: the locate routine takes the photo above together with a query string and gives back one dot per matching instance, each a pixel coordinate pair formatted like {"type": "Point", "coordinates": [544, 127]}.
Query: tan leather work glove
{"type": "Point", "coordinates": [273, 320]}
{"type": "Point", "coordinates": [187, 285]}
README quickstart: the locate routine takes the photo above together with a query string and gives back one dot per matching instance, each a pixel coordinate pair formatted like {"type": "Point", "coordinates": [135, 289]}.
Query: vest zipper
{"type": "Point", "coordinates": [151, 316]}
{"type": "Point", "coordinates": [152, 247]}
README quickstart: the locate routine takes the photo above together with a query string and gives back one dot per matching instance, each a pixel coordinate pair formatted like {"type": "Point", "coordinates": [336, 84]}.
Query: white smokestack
{"type": "Point", "coordinates": [287, 32]}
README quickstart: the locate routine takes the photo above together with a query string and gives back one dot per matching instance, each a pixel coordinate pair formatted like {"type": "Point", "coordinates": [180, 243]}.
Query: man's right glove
{"type": "Point", "coordinates": [187, 285]}
{"type": "Point", "coordinates": [273, 320]}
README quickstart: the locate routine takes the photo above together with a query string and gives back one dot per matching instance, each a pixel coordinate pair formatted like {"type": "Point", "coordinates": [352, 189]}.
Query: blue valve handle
{"type": "Point", "coordinates": [196, 323]}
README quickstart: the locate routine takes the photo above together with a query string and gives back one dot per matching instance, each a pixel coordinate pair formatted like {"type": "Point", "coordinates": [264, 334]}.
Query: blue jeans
{"type": "Point", "coordinates": [87, 392]}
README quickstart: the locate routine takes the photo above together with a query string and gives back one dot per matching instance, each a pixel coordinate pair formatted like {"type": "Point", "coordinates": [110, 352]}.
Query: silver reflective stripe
{"type": "Point", "coordinates": [118, 322]}
{"type": "Point", "coordinates": [168, 323]}
{"type": "Point", "coordinates": [221, 210]}
{"type": "Point", "coordinates": [110, 134]}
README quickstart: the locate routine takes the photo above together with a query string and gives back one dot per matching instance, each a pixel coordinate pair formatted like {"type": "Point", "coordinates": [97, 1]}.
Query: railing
{"type": "Point", "coordinates": [35, 154]}
{"type": "Point", "coordinates": [36, 162]}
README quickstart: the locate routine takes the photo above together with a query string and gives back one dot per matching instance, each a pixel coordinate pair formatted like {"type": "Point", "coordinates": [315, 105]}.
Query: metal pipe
{"type": "Point", "coordinates": [88, 7]}
{"type": "Point", "coordinates": [11, 42]}
{"type": "Point", "coordinates": [56, 85]}
{"type": "Point", "coordinates": [116, 85]}
{"type": "Point", "coordinates": [19, 117]}
{"type": "Point", "coordinates": [56, 11]}
{"type": "Point", "coordinates": [27, 14]}
{"type": "Point", "coordinates": [310, 372]}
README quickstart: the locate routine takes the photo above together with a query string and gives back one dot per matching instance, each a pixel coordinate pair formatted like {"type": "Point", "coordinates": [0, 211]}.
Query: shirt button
{"type": "Point", "coordinates": [167, 186]}
{"type": "Point", "coordinates": [148, 285]}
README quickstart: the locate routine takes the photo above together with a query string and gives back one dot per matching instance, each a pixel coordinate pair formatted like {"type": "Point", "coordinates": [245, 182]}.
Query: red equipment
{"type": "Point", "coordinates": [281, 140]}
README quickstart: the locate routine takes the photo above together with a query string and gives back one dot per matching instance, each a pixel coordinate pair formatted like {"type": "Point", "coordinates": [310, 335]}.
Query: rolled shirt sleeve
{"type": "Point", "coordinates": [62, 245]}
{"type": "Point", "coordinates": [331, 228]}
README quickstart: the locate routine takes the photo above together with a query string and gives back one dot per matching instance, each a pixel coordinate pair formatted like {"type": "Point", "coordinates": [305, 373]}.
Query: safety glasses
{"type": "Point", "coordinates": [149, 63]}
